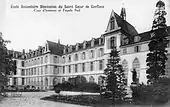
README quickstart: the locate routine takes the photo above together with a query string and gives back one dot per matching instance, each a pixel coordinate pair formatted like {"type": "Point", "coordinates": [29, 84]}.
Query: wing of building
{"type": "Point", "coordinates": [55, 63]}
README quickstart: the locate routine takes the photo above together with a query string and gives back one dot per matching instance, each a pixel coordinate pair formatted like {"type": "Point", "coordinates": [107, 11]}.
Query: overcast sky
{"type": "Point", "coordinates": [27, 29]}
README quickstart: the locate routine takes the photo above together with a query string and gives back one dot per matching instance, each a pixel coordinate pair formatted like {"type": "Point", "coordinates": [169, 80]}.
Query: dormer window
{"type": "Point", "coordinates": [136, 38]}
{"type": "Point", "coordinates": [77, 47]}
{"type": "Point", "coordinates": [70, 49]}
{"type": "Point", "coordinates": [84, 45]}
{"type": "Point", "coordinates": [92, 42]}
{"type": "Point", "coordinates": [112, 23]}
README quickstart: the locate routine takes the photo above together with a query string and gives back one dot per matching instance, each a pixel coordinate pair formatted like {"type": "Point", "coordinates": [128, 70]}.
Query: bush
{"type": "Point", "coordinates": [84, 87]}
{"type": "Point", "coordinates": [157, 93]}
{"type": "Point", "coordinates": [88, 87]}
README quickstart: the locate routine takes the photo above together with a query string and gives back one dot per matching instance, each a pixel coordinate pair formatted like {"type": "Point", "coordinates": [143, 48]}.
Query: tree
{"type": "Point", "coordinates": [157, 56]}
{"type": "Point", "coordinates": [115, 77]}
{"type": "Point", "coordinates": [7, 65]}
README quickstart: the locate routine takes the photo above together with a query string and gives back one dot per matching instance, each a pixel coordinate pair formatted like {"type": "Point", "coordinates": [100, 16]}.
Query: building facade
{"type": "Point", "coordinates": [55, 63]}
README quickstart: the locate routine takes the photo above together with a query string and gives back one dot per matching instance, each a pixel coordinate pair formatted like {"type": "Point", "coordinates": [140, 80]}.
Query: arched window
{"type": "Point", "coordinates": [125, 68]}
{"type": "Point", "coordinates": [136, 66]}
{"type": "Point", "coordinates": [46, 81]}
{"type": "Point", "coordinates": [91, 79]}
{"type": "Point", "coordinates": [63, 80]}
{"type": "Point", "coordinates": [56, 81]}
{"type": "Point", "coordinates": [100, 80]}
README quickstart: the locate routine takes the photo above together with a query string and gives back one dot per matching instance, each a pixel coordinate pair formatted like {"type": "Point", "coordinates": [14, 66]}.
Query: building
{"type": "Point", "coordinates": [55, 63]}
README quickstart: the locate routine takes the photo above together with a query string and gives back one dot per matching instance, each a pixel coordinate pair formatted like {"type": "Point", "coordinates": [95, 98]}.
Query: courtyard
{"type": "Point", "coordinates": [32, 99]}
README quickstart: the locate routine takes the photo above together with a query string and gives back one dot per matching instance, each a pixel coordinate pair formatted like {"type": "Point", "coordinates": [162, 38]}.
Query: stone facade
{"type": "Point", "coordinates": [55, 63]}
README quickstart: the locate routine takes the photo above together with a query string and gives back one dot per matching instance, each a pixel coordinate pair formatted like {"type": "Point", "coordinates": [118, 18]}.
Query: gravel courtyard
{"type": "Point", "coordinates": [32, 99]}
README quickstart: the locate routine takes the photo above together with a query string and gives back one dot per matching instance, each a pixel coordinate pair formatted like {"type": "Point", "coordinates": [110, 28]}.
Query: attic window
{"type": "Point", "coordinates": [112, 23]}
{"type": "Point", "coordinates": [136, 38]}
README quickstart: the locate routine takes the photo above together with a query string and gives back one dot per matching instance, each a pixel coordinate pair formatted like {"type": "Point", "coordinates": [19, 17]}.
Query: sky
{"type": "Point", "coordinates": [27, 29]}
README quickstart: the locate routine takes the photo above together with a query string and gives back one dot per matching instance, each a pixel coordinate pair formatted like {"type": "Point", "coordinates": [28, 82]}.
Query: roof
{"type": "Point", "coordinates": [125, 26]}
{"type": "Point", "coordinates": [55, 48]}
{"type": "Point", "coordinates": [145, 36]}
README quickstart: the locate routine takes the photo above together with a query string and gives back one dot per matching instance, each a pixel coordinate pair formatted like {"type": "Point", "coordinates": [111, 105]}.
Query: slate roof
{"type": "Point", "coordinates": [125, 26]}
{"type": "Point", "coordinates": [55, 48]}
{"type": "Point", "coordinates": [145, 36]}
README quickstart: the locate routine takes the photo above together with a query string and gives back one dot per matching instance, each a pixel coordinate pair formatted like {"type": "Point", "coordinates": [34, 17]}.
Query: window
{"type": "Point", "coordinates": [137, 49]}
{"type": "Point", "coordinates": [112, 23]}
{"type": "Point", "coordinates": [83, 67]}
{"type": "Point", "coordinates": [22, 72]}
{"type": "Point", "coordinates": [69, 58]}
{"type": "Point", "coordinates": [76, 57]}
{"type": "Point", "coordinates": [64, 60]}
{"type": "Point", "coordinates": [41, 60]}
{"type": "Point", "coordinates": [100, 81]}
{"type": "Point", "coordinates": [83, 56]}
{"type": "Point", "coordinates": [46, 70]}
{"type": "Point", "coordinates": [101, 52]}
{"type": "Point", "coordinates": [55, 59]}
{"type": "Point", "coordinates": [136, 38]}
{"type": "Point", "coordinates": [56, 70]}
{"type": "Point", "coordinates": [91, 66]}
{"type": "Point", "coordinates": [14, 81]}
{"type": "Point", "coordinates": [91, 79]}
{"type": "Point", "coordinates": [136, 66]}
{"type": "Point", "coordinates": [22, 63]}
{"type": "Point", "coordinates": [69, 68]}
{"type": "Point", "coordinates": [101, 65]}
{"type": "Point", "coordinates": [112, 42]}
{"type": "Point", "coordinates": [46, 58]}
{"type": "Point", "coordinates": [92, 54]}
{"type": "Point", "coordinates": [124, 51]}
{"type": "Point", "coordinates": [63, 69]}
{"type": "Point", "coordinates": [23, 81]}
{"type": "Point", "coordinates": [76, 68]}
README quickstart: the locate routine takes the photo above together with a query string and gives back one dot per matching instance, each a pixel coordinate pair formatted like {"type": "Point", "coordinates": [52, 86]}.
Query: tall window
{"type": "Point", "coordinates": [23, 81]}
{"type": "Point", "coordinates": [136, 66]}
{"type": "Point", "coordinates": [69, 58]}
{"type": "Point", "coordinates": [64, 60]}
{"type": "Point", "coordinates": [137, 49]}
{"type": "Point", "coordinates": [22, 72]}
{"type": "Point", "coordinates": [112, 42]}
{"type": "Point", "coordinates": [91, 66]}
{"type": "Point", "coordinates": [83, 55]}
{"type": "Point", "coordinates": [55, 59]}
{"type": "Point", "coordinates": [22, 63]}
{"type": "Point", "coordinates": [101, 52]}
{"type": "Point", "coordinates": [69, 68]}
{"type": "Point", "coordinates": [100, 81]}
{"type": "Point", "coordinates": [63, 69]}
{"type": "Point", "coordinates": [83, 67]}
{"type": "Point", "coordinates": [92, 54]}
{"type": "Point", "coordinates": [41, 60]}
{"type": "Point", "coordinates": [46, 70]}
{"type": "Point", "coordinates": [76, 67]}
{"type": "Point", "coordinates": [91, 79]}
{"type": "Point", "coordinates": [112, 23]}
{"type": "Point", "coordinates": [101, 65]}
{"type": "Point", "coordinates": [124, 50]}
{"type": "Point", "coordinates": [15, 81]}
{"type": "Point", "coordinates": [76, 57]}
{"type": "Point", "coordinates": [46, 58]}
